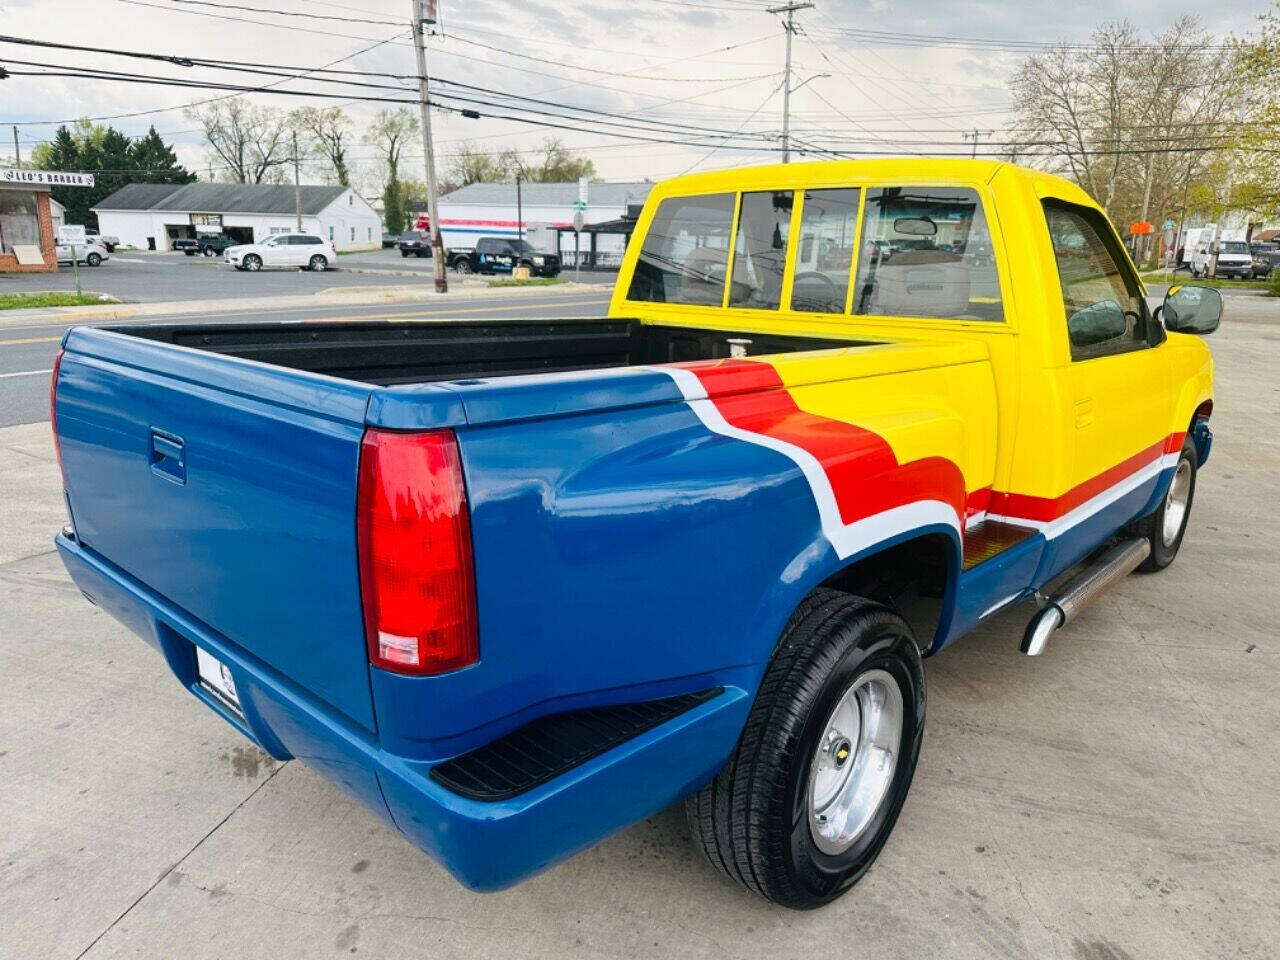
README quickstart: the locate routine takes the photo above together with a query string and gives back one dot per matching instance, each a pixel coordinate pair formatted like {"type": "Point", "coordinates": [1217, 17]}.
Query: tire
{"type": "Point", "coordinates": [210, 252]}
{"type": "Point", "coordinates": [317, 264]}
{"type": "Point", "coordinates": [188, 253]}
{"type": "Point", "coordinates": [252, 263]}
{"type": "Point", "coordinates": [93, 260]}
{"type": "Point", "coordinates": [404, 254]}
{"type": "Point", "coordinates": [758, 821]}
{"type": "Point", "coordinates": [1176, 507]}
{"type": "Point", "coordinates": [462, 266]}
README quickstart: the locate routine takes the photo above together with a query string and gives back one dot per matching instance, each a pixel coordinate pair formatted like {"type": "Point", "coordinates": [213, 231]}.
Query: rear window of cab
{"type": "Point", "coordinates": [907, 251]}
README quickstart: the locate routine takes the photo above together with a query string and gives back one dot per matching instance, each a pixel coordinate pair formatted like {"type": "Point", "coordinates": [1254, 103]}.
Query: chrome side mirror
{"type": "Point", "coordinates": [1192, 309]}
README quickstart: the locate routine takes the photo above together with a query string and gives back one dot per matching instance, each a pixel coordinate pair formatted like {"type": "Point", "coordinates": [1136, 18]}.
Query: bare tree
{"type": "Point", "coordinates": [327, 132]}
{"type": "Point", "coordinates": [1136, 122]}
{"type": "Point", "coordinates": [390, 131]}
{"type": "Point", "coordinates": [252, 142]}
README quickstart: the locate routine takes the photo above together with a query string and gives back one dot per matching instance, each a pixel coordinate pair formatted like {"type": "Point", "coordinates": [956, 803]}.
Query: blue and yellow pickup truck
{"type": "Point", "coordinates": [516, 585]}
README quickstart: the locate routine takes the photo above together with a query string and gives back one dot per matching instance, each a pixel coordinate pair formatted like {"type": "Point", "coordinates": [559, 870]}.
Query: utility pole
{"type": "Point", "coordinates": [790, 27]}
{"type": "Point", "coordinates": [433, 209]}
{"type": "Point", "coordinates": [17, 153]}
{"type": "Point", "coordinates": [297, 183]}
{"type": "Point", "coordinates": [519, 212]}
{"type": "Point", "coordinates": [974, 135]}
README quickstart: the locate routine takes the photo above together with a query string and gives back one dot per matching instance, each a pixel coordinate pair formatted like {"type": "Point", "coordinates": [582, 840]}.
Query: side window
{"type": "Point", "coordinates": [828, 222]}
{"type": "Point", "coordinates": [926, 252]}
{"type": "Point", "coordinates": [760, 250]}
{"type": "Point", "coordinates": [485, 245]}
{"type": "Point", "coordinates": [1105, 311]}
{"type": "Point", "coordinates": [685, 254]}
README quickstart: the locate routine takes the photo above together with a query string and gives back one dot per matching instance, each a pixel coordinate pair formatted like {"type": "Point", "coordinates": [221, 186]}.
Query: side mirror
{"type": "Point", "coordinates": [1097, 323]}
{"type": "Point", "coordinates": [1192, 309]}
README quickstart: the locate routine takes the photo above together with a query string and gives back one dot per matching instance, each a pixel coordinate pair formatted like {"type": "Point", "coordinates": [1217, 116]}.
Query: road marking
{"type": "Point", "coordinates": [10, 343]}
{"type": "Point", "coordinates": [25, 373]}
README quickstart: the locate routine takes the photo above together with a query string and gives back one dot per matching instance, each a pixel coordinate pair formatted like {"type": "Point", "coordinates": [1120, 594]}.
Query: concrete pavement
{"type": "Point", "coordinates": [1114, 799]}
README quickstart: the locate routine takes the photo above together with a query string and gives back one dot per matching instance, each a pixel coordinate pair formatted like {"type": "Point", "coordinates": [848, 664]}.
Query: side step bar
{"type": "Point", "coordinates": [1114, 565]}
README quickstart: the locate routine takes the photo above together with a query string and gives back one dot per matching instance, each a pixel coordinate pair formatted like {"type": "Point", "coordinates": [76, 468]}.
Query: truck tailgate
{"type": "Point", "coordinates": [229, 488]}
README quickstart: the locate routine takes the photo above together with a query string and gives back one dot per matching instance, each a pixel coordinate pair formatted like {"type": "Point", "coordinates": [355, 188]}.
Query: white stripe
{"type": "Point", "coordinates": [1055, 528]}
{"type": "Point", "coordinates": [24, 373]}
{"type": "Point", "coordinates": [847, 539]}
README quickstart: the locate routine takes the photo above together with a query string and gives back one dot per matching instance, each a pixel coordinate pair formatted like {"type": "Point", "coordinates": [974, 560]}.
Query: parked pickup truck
{"type": "Point", "coordinates": [518, 584]}
{"type": "Point", "coordinates": [207, 244]}
{"type": "Point", "coordinates": [503, 255]}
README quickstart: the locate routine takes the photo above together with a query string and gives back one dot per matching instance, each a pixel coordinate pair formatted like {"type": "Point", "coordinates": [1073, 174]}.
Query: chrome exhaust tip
{"type": "Point", "coordinates": [1085, 587]}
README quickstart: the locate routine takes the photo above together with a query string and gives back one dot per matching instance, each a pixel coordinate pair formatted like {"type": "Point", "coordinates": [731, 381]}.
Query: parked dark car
{"type": "Point", "coordinates": [389, 240]}
{"type": "Point", "coordinates": [1266, 258]}
{"type": "Point", "coordinates": [207, 244]}
{"type": "Point", "coordinates": [414, 243]}
{"type": "Point", "coordinates": [503, 255]}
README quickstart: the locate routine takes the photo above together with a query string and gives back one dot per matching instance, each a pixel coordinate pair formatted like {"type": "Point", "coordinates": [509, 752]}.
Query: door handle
{"type": "Point", "coordinates": [168, 456]}
{"type": "Point", "coordinates": [1084, 413]}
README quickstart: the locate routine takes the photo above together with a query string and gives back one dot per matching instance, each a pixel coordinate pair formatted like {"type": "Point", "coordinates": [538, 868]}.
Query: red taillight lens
{"type": "Point", "coordinates": [416, 572]}
{"type": "Point", "coordinates": [53, 415]}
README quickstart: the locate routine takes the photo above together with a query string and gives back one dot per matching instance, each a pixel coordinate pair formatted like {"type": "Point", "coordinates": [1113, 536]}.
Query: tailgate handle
{"type": "Point", "coordinates": [168, 456]}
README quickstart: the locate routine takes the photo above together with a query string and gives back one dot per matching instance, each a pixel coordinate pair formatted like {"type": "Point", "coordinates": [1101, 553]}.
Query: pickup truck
{"type": "Point", "coordinates": [518, 584]}
{"type": "Point", "coordinates": [503, 255]}
{"type": "Point", "coordinates": [207, 244]}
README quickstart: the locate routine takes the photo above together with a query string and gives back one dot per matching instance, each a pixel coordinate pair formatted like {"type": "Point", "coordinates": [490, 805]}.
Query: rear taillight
{"type": "Point", "coordinates": [417, 578]}
{"type": "Point", "coordinates": [53, 415]}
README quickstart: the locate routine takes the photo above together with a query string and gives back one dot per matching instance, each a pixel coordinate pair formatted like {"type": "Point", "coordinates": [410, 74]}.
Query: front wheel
{"type": "Point", "coordinates": [252, 263]}
{"type": "Point", "coordinates": [823, 766]}
{"type": "Point", "coordinates": [93, 259]}
{"type": "Point", "coordinates": [318, 264]}
{"type": "Point", "coordinates": [210, 252]}
{"type": "Point", "coordinates": [404, 254]}
{"type": "Point", "coordinates": [1165, 528]}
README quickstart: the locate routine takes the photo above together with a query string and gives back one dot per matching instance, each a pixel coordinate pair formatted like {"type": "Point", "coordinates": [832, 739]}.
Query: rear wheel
{"type": "Point", "coordinates": [812, 792]}
{"type": "Point", "coordinates": [462, 266]}
{"type": "Point", "coordinates": [1165, 528]}
{"type": "Point", "coordinates": [252, 263]}
{"type": "Point", "coordinates": [318, 264]}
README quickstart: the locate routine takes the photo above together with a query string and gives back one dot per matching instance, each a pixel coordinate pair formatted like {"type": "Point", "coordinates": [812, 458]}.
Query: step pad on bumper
{"type": "Point", "coordinates": [551, 745]}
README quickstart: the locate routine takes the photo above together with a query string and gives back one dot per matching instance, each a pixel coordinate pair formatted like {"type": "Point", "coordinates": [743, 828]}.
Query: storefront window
{"type": "Point", "coordinates": [19, 224]}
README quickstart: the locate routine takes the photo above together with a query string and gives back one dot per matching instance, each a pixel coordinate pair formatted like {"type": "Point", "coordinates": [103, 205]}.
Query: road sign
{"type": "Point", "coordinates": [580, 206]}
{"type": "Point", "coordinates": [1140, 228]}
{"type": "Point", "coordinates": [71, 233]}
{"type": "Point", "coordinates": [1168, 225]}
{"type": "Point", "coordinates": [578, 221]}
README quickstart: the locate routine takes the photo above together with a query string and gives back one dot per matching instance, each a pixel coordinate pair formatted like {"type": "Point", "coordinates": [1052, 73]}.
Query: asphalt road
{"type": "Point", "coordinates": [155, 277]}
{"type": "Point", "coordinates": [1113, 799]}
{"type": "Point", "coordinates": [27, 350]}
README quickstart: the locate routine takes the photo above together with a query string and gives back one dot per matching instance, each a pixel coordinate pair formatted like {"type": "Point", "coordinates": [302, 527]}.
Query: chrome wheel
{"type": "Point", "coordinates": [850, 773]}
{"type": "Point", "coordinates": [252, 264]}
{"type": "Point", "coordinates": [1175, 503]}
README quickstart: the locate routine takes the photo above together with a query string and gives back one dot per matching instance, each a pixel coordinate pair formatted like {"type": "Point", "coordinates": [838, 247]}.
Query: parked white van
{"type": "Point", "coordinates": [1234, 259]}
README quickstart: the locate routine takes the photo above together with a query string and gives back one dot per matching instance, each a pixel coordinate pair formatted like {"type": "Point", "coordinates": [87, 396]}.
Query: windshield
{"type": "Point", "coordinates": [1234, 246]}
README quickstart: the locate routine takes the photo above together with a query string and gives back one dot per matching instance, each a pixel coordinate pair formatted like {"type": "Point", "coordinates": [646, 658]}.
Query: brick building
{"type": "Point", "coordinates": [27, 237]}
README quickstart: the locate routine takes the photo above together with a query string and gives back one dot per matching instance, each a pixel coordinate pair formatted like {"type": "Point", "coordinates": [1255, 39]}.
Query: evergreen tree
{"type": "Point", "coordinates": [154, 161]}
{"type": "Point", "coordinates": [393, 212]}
{"type": "Point", "coordinates": [114, 159]}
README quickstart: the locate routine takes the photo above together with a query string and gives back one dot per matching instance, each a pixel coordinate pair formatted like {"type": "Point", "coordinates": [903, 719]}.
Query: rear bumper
{"type": "Point", "coordinates": [485, 845]}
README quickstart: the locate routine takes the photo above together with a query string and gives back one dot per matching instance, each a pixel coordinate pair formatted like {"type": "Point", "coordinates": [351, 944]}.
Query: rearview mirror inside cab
{"type": "Point", "coordinates": [1097, 323]}
{"type": "Point", "coordinates": [915, 227]}
{"type": "Point", "coordinates": [1192, 309]}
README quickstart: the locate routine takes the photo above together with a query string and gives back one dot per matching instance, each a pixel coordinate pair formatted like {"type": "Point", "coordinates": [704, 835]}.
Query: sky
{"type": "Point", "coordinates": [706, 73]}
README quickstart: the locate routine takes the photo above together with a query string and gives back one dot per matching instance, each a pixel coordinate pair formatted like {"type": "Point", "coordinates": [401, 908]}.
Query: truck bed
{"type": "Point", "coordinates": [384, 353]}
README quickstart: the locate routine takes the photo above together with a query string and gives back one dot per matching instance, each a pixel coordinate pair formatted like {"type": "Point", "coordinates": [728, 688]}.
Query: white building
{"type": "Point", "coordinates": [153, 215]}
{"type": "Point", "coordinates": [490, 210]}
{"type": "Point", "coordinates": [57, 214]}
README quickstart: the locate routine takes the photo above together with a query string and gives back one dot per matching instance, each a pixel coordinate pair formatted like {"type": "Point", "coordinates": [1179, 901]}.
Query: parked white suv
{"type": "Point", "coordinates": [307, 250]}
{"type": "Point", "coordinates": [90, 252]}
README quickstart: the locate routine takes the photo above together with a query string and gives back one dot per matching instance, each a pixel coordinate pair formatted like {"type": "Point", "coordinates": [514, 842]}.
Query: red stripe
{"type": "Point", "coordinates": [1028, 507]}
{"type": "Point", "coordinates": [864, 474]}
